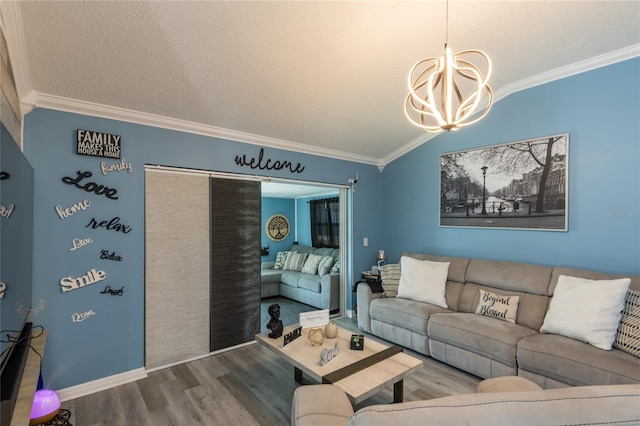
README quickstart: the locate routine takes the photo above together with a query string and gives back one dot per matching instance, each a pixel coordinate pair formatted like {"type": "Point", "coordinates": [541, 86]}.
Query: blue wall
{"type": "Point", "coordinates": [285, 207]}
{"type": "Point", "coordinates": [600, 110]}
{"type": "Point", "coordinates": [111, 341]}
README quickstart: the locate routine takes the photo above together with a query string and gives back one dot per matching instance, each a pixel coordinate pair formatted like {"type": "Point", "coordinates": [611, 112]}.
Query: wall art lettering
{"type": "Point", "coordinates": [4, 175]}
{"type": "Point", "coordinates": [80, 242]}
{"type": "Point", "coordinates": [111, 225]}
{"type": "Point", "coordinates": [6, 211]}
{"type": "Point", "coordinates": [105, 255]}
{"type": "Point", "coordinates": [91, 277]}
{"type": "Point", "coordinates": [258, 163]}
{"type": "Point", "coordinates": [91, 186]}
{"type": "Point", "coordinates": [116, 167]}
{"type": "Point", "coordinates": [112, 291]}
{"type": "Point", "coordinates": [82, 316]}
{"type": "Point", "coordinates": [98, 144]}
{"type": "Point", "coordinates": [3, 288]}
{"type": "Point", "coordinates": [73, 209]}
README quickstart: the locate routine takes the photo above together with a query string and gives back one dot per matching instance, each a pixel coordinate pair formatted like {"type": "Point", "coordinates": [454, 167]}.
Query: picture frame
{"type": "Point", "coordinates": [498, 186]}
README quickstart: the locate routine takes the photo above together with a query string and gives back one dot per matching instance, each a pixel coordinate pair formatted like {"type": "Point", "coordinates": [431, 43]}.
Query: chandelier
{"type": "Point", "coordinates": [445, 92]}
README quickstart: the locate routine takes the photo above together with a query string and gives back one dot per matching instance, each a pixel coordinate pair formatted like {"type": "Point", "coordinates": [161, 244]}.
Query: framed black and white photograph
{"type": "Point", "coordinates": [517, 185]}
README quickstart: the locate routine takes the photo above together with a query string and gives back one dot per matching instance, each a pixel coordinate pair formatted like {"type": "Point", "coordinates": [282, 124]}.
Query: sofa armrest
{"type": "Point", "coordinates": [320, 405]}
{"type": "Point", "coordinates": [365, 296]}
{"type": "Point", "coordinates": [267, 265]}
{"type": "Point", "coordinates": [330, 291]}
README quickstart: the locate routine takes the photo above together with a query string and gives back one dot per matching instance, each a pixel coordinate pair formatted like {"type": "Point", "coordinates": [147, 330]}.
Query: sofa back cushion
{"type": "Point", "coordinates": [591, 275]}
{"type": "Point", "coordinates": [529, 282]}
{"type": "Point", "coordinates": [455, 279]}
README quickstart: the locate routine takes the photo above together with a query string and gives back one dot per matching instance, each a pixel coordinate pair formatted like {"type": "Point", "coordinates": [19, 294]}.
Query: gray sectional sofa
{"type": "Point", "coordinates": [320, 291]}
{"type": "Point", "coordinates": [488, 347]}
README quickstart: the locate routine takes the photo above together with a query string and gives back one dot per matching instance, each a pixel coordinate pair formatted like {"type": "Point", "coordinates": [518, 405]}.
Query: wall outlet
{"type": "Point", "coordinates": [365, 241]}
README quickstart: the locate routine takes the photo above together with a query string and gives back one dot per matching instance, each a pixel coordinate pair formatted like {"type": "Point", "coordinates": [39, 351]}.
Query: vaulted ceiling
{"type": "Point", "coordinates": [322, 77]}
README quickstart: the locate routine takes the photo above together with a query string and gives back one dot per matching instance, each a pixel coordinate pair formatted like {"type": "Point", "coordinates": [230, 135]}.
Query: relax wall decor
{"type": "Point", "coordinates": [518, 185]}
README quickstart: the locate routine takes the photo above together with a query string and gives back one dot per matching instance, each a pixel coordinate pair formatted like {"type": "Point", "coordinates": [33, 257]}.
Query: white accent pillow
{"type": "Point", "coordinates": [311, 264]}
{"type": "Point", "coordinates": [586, 310]}
{"type": "Point", "coordinates": [423, 281]}
{"type": "Point", "coordinates": [498, 306]}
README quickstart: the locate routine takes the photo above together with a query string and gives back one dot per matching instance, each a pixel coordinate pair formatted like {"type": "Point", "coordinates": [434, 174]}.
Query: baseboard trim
{"type": "Point", "coordinates": [101, 384]}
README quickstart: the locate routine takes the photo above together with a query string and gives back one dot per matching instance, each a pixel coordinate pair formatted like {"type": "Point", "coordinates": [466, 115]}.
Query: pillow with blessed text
{"type": "Point", "coordinates": [498, 306]}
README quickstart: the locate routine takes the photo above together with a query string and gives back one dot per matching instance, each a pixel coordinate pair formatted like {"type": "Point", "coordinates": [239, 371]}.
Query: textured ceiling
{"type": "Point", "coordinates": [330, 75]}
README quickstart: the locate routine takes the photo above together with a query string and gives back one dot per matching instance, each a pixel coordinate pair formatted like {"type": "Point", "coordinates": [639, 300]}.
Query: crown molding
{"type": "Point", "coordinates": [600, 61]}
{"type": "Point", "coordinates": [40, 100]}
{"type": "Point", "coordinates": [12, 28]}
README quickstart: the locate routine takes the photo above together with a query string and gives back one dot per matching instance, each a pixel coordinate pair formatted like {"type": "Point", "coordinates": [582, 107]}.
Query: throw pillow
{"type": "Point", "coordinates": [325, 265]}
{"type": "Point", "coordinates": [628, 335]}
{"type": "Point", "coordinates": [295, 261]}
{"type": "Point", "coordinates": [586, 310]}
{"type": "Point", "coordinates": [423, 281]}
{"type": "Point", "coordinates": [281, 258]}
{"type": "Point", "coordinates": [335, 269]}
{"type": "Point", "coordinates": [390, 277]}
{"type": "Point", "coordinates": [311, 264]}
{"type": "Point", "coordinates": [498, 306]}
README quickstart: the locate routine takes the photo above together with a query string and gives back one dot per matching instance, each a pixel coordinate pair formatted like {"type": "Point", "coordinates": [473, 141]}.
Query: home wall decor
{"type": "Point", "coordinates": [97, 144]}
{"type": "Point", "coordinates": [277, 227]}
{"type": "Point", "coordinates": [518, 185]}
{"type": "Point", "coordinates": [73, 209]}
{"type": "Point", "coordinates": [268, 164]}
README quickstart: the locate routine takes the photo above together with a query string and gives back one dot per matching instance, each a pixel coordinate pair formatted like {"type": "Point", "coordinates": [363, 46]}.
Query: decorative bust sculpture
{"type": "Point", "coordinates": [275, 324]}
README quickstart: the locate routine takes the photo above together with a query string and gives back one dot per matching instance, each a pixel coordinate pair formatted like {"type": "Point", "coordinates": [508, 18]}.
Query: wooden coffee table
{"type": "Point", "coordinates": [360, 374]}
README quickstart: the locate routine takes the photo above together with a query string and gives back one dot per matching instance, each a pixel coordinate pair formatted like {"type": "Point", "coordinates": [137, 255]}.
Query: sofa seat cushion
{"type": "Point", "coordinates": [405, 313]}
{"type": "Point", "coordinates": [268, 276]}
{"type": "Point", "coordinates": [486, 336]}
{"type": "Point", "coordinates": [290, 278]}
{"type": "Point", "coordinates": [310, 282]}
{"type": "Point", "coordinates": [576, 363]}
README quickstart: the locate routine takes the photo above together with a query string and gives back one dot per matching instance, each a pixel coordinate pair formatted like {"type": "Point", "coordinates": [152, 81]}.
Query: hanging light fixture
{"type": "Point", "coordinates": [445, 92]}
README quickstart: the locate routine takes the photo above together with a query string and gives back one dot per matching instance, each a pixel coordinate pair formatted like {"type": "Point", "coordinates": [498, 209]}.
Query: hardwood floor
{"type": "Point", "coordinates": [244, 386]}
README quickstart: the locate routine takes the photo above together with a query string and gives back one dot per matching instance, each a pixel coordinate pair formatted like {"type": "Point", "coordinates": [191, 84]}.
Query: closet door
{"type": "Point", "coordinates": [177, 269]}
{"type": "Point", "coordinates": [235, 262]}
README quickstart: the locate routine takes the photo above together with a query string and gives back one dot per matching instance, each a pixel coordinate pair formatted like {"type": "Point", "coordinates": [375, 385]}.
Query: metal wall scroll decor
{"type": "Point", "coordinates": [113, 291]}
{"type": "Point", "coordinates": [91, 186]}
{"type": "Point", "coordinates": [110, 225]}
{"type": "Point", "coordinates": [105, 255]}
{"type": "Point", "coordinates": [97, 144]}
{"type": "Point", "coordinates": [268, 164]}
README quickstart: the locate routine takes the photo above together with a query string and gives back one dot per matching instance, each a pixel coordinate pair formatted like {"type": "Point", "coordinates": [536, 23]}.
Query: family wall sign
{"type": "Point", "coordinates": [97, 144]}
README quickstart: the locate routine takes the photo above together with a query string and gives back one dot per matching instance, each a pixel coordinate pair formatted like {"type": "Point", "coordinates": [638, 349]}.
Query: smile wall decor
{"type": "Point", "coordinates": [91, 186]}
{"type": "Point", "coordinates": [97, 144]}
{"type": "Point", "coordinates": [91, 277]}
{"type": "Point", "coordinates": [73, 209]}
{"type": "Point", "coordinates": [116, 167]}
{"type": "Point", "coordinates": [80, 242]}
{"type": "Point", "coordinates": [111, 225]}
{"type": "Point", "coordinates": [79, 317]}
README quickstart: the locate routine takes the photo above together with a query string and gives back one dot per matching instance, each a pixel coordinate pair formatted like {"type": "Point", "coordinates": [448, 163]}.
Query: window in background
{"type": "Point", "coordinates": [325, 222]}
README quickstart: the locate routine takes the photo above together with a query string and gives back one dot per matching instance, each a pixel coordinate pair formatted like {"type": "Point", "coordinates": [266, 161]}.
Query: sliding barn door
{"type": "Point", "coordinates": [177, 221]}
{"type": "Point", "coordinates": [235, 262]}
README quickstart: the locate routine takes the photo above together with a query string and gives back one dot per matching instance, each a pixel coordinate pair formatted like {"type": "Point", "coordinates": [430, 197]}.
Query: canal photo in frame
{"type": "Point", "coordinates": [517, 185]}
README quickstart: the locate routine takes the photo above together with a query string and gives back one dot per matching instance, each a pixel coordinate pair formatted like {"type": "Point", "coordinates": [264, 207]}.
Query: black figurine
{"type": "Point", "coordinates": [275, 324]}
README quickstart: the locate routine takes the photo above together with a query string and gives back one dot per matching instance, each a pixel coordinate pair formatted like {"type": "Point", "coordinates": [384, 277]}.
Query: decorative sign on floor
{"type": "Point", "coordinates": [97, 144]}
{"type": "Point", "coordinates": [291, 336]}
{"type": "Point", "coordinates": [314, 318]}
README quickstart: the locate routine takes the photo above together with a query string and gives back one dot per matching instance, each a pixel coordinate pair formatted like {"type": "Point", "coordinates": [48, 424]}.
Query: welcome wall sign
{"type": "Point", "coordinates": [97, 144]}
{"type": "Point", "coordinates": [267, 164]}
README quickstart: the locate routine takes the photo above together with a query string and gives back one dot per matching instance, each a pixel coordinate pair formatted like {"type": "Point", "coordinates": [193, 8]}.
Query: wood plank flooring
{"type": "Point", "coordinates": [244, 386]}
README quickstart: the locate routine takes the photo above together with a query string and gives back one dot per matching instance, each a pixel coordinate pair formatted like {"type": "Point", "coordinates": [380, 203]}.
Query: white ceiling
{"type": "Point", "coordinates": [317, 76]}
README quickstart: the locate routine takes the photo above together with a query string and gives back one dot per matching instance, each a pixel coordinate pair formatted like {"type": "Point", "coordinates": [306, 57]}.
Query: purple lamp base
{"type": "Point", "coordinates": [46, 405]}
